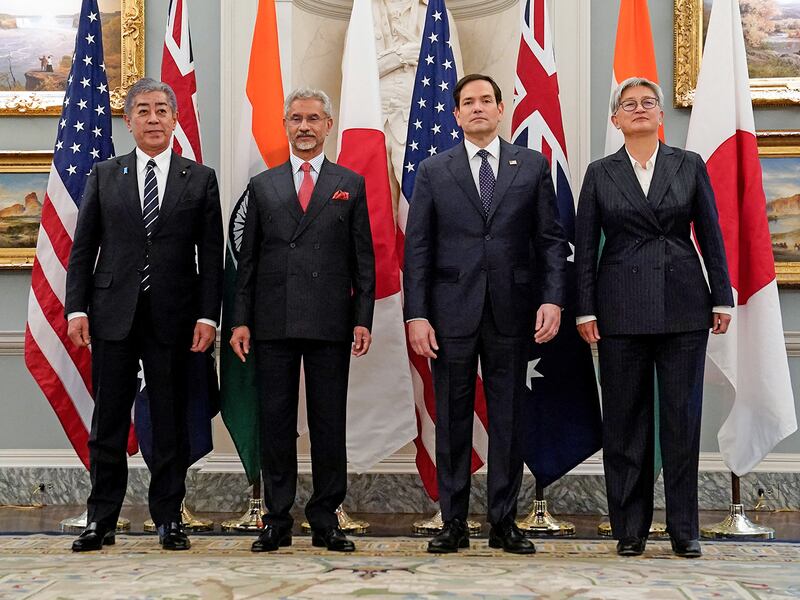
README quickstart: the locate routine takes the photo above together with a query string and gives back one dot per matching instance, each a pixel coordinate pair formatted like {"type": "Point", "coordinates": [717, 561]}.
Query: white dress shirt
{"type": "Point", "coordinates": [644, 175]}
{"type": "Point", "coordinates": [297, 172]}
{"type": "Point", "coordinates": [161, 170]}
{"type": "Point", "coordinates": [493, 148]}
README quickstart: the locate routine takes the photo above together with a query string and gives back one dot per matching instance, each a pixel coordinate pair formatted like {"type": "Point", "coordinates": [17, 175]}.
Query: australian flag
{"type": "Point", "coordinates": [562, 423]}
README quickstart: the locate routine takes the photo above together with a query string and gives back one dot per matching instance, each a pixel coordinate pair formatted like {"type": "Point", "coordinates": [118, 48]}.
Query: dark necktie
{"type": "Point", "coordinates": [486, 181]}
{"type": "Point", "coordinates": [306, 186]}
{"type": "Point", "coordinates": [149, 214]}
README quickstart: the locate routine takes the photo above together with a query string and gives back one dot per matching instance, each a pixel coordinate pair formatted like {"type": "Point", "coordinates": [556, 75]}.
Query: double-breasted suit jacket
{"type": "Point", "coordinates": [306, 275]}
{"type": "Point", "coordinates": [649, 278]}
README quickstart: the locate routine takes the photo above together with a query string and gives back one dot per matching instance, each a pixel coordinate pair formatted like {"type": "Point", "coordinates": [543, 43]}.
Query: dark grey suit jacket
{"type": "Point", "coordinates": [111, 230]}
{"type": "Point", "coordinates": [453, 252]}
{"type": "Point", "coordinates": [311, 275]}
{"type": "Point", "coordinates": [649, 278]}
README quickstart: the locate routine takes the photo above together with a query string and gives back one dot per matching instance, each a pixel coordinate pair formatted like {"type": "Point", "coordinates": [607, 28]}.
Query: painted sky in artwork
{"type": "Point", "coordinates": [15, 186]}
{"type": "Point", "coordinates": [781, 177]}
{"type": "Point", "coordinates": [51, 7]}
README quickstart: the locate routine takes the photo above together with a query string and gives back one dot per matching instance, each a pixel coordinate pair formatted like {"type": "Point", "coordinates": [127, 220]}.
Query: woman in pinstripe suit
{"type": "Point", "coordinates": [647, 304]}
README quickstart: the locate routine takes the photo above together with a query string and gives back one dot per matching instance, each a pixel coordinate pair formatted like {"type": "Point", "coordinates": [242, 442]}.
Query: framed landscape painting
{"type": "Point", "coordinates": [23, 184]}
{"type": "Point", "coordinates": [37, 39]}
{"type": "Point", "coordinates": [779, 152]}
{"type": "Point", "coordinates": [772, 42]}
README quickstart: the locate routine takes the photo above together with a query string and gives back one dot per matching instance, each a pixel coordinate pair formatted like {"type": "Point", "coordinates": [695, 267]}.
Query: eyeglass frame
{"type": "Point", "coordinates": [638, 103]}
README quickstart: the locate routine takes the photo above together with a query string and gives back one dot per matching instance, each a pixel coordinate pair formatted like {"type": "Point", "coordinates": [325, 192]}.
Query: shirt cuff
{"type": "Point", "coordinates": [725, 310]}
{"type": "Point", "coordinates": [416, 319]}
{"type": "Point", "coordinates": [208, 322]}
{"type": "Point", "coordinates": [75, 315]}
{"type": "Point", "coordinates": [584, 319]}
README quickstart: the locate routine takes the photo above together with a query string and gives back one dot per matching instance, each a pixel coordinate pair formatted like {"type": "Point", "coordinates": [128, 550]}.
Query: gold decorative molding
{"type": "Point", "coordinates": [132, 58]}
{"type": "Point", "coordinates": [688, 52]}
{"type": "Point", "coordinates": [461, 9]}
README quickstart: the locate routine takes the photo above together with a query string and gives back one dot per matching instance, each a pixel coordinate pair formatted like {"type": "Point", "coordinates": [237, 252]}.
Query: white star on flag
{"type": "Point", "coordinates": [532, 373]}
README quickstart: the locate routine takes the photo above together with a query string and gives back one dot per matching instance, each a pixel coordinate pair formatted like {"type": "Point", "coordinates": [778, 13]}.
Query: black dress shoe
{"type": "Point", "coordinates": [508, 537]}
{"type": "Point", "coordinates": [93, 537]}
{"type": "Point", "coordinates": [271, 538]}
{"type": "Point", "coordinates": [631, 546]}
{"type": "Point", "coordinates": [686, 548]}
{"type": "Point", "coordinates": [454, 535]}
{"type": "Point", "coordinates": [333, 539]}
{"type": "Point", "coordinates": [172, 537]}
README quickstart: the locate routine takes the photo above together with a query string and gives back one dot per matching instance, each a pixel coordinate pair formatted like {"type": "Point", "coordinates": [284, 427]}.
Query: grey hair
{"type": "Point", "coordinates": [616, 96]}
{"type": "Point", "coordinates": [146, 85]}
{"type": "Point", "coordinates": [307, 93]}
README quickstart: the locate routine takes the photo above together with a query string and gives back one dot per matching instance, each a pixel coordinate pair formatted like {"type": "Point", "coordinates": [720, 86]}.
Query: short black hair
{"type": "Point", "coordinates": [498, 95]}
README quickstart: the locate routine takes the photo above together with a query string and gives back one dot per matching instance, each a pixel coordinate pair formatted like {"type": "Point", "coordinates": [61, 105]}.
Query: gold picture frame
{"type": "Point", "coordinates": [131, 69]}
{"type": "Point", "coordinates": [688, 51]}
{"type": "Point", "coordinates": [782, 190]}
{"type": "Point", "coordinates": [19, 213]}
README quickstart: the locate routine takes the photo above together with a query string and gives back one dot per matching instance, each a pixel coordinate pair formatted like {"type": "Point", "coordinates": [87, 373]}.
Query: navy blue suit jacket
{"type": "Point", "coordinates": [453, 252]}
{"type": "Point", "coordinates": [649, 278]}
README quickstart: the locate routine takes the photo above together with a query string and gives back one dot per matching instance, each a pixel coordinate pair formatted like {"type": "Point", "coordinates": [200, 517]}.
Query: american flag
{"type": "Point", "coordinates": [63, 371]}
{"type": "Point", "coordinates": [432, 128]}
{"type": "Point", "coordinates": [177, 69]}
{"type": "Point", "coordinates": [561, 416]}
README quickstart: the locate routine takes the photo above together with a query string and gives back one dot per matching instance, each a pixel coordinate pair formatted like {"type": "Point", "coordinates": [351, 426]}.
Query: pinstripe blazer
{"type": "Point", "coordinates": [649, 278]}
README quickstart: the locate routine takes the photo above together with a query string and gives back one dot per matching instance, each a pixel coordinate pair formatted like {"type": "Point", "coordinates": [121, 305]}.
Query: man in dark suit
{"type": "Point", "coordinates": [483, 250]}
{"type": "Point", "coordinates": [305, 291]}
{"type": "Point", "coordinates": [145, 274]}
{"type": "Point", "coordinates": [648, 306]}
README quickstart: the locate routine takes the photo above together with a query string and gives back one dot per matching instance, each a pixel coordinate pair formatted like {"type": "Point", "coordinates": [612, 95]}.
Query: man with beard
{"type": "Point", "coordinates": [305, 291]}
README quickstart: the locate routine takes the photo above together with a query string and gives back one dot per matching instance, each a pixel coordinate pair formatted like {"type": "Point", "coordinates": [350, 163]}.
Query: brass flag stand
{"type": "Point", "coordinates": [188, 520]}
{"type": "Point", "coordinates": [79, 523]}
{"type": "Point", "coordinates": [346, 523]}
{"type": "Point", "coordinates": [736, 525]}
{"type": "Point", "coordinates": [435, 524]}
{"type": "Point", "coordinates": [251, 520]}
{"type": "Point", "coordinates": [541, 523]}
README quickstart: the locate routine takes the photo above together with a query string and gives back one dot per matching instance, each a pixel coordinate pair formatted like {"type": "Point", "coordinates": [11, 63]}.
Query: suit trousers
{"type": "Point", "coordinates": [115, 368]}
{"type": "Point", "coordinates": [503, 361]}
{"type": "Point", "coordinates": [627, 366]}
{"type": "Point", "coordinates": [326, 368]}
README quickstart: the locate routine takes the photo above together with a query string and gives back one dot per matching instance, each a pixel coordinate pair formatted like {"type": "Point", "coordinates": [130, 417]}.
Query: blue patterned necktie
{"type": "Point", "coordinates": [149, 214]}
{"type": "Point", "coordinates": [486, 180]}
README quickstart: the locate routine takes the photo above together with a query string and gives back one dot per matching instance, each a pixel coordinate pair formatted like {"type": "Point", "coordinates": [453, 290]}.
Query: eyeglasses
{"type": "Point", "coordinates": [648, 103]}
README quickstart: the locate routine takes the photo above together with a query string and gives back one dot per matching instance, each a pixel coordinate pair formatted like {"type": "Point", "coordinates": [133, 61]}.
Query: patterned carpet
{"type": "Point", "coordinates": [222, 567]}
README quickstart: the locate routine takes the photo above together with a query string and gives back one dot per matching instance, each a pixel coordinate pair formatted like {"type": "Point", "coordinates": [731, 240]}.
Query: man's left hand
{"type": "Point", "coordinates": [548, 319]}
{"type": "Point", "coordinates": [204, 336]}
{"type": "Point", "coordinates": [361, 340]}
{"type": "Point", "coordinates": [720, 323]}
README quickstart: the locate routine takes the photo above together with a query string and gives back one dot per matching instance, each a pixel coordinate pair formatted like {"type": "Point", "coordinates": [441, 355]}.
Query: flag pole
{"type": "Point", "coordinates": [736, 525]}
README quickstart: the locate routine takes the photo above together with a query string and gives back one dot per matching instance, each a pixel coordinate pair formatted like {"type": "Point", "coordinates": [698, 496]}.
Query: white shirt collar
{"type": "Point", "coordinates": [162, 160]}
{"type": "Point", "coordinates": [651, 162]}
{"type": "Point", "coordinates": [493, 148]}
{"type": "Point", "coordinates": [316, 162]}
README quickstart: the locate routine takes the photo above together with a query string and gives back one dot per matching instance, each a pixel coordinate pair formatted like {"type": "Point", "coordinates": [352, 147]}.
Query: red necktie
{"type": "Point", "coordinates": [304, 194]}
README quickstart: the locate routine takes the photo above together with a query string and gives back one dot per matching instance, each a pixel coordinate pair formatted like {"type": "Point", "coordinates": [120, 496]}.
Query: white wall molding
{"type": "Point", "coordinates": [395, 465]}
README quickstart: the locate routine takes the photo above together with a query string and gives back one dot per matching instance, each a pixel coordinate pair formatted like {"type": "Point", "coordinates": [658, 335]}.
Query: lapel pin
{"type": "Point", "coordinates": [125, 170]}
{"type": "Point", "coordinates": [183, 173]}
{"type": "Point", "coordinates": [512, 162]}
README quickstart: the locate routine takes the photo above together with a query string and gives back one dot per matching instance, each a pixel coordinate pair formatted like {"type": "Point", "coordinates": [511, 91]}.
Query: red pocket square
{"type": "Point", "coordinates": [341, 195]}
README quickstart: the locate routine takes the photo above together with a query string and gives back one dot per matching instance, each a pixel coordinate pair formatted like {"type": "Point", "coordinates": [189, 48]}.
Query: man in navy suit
{"type": "Point", "coordinates": [483, 250]}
